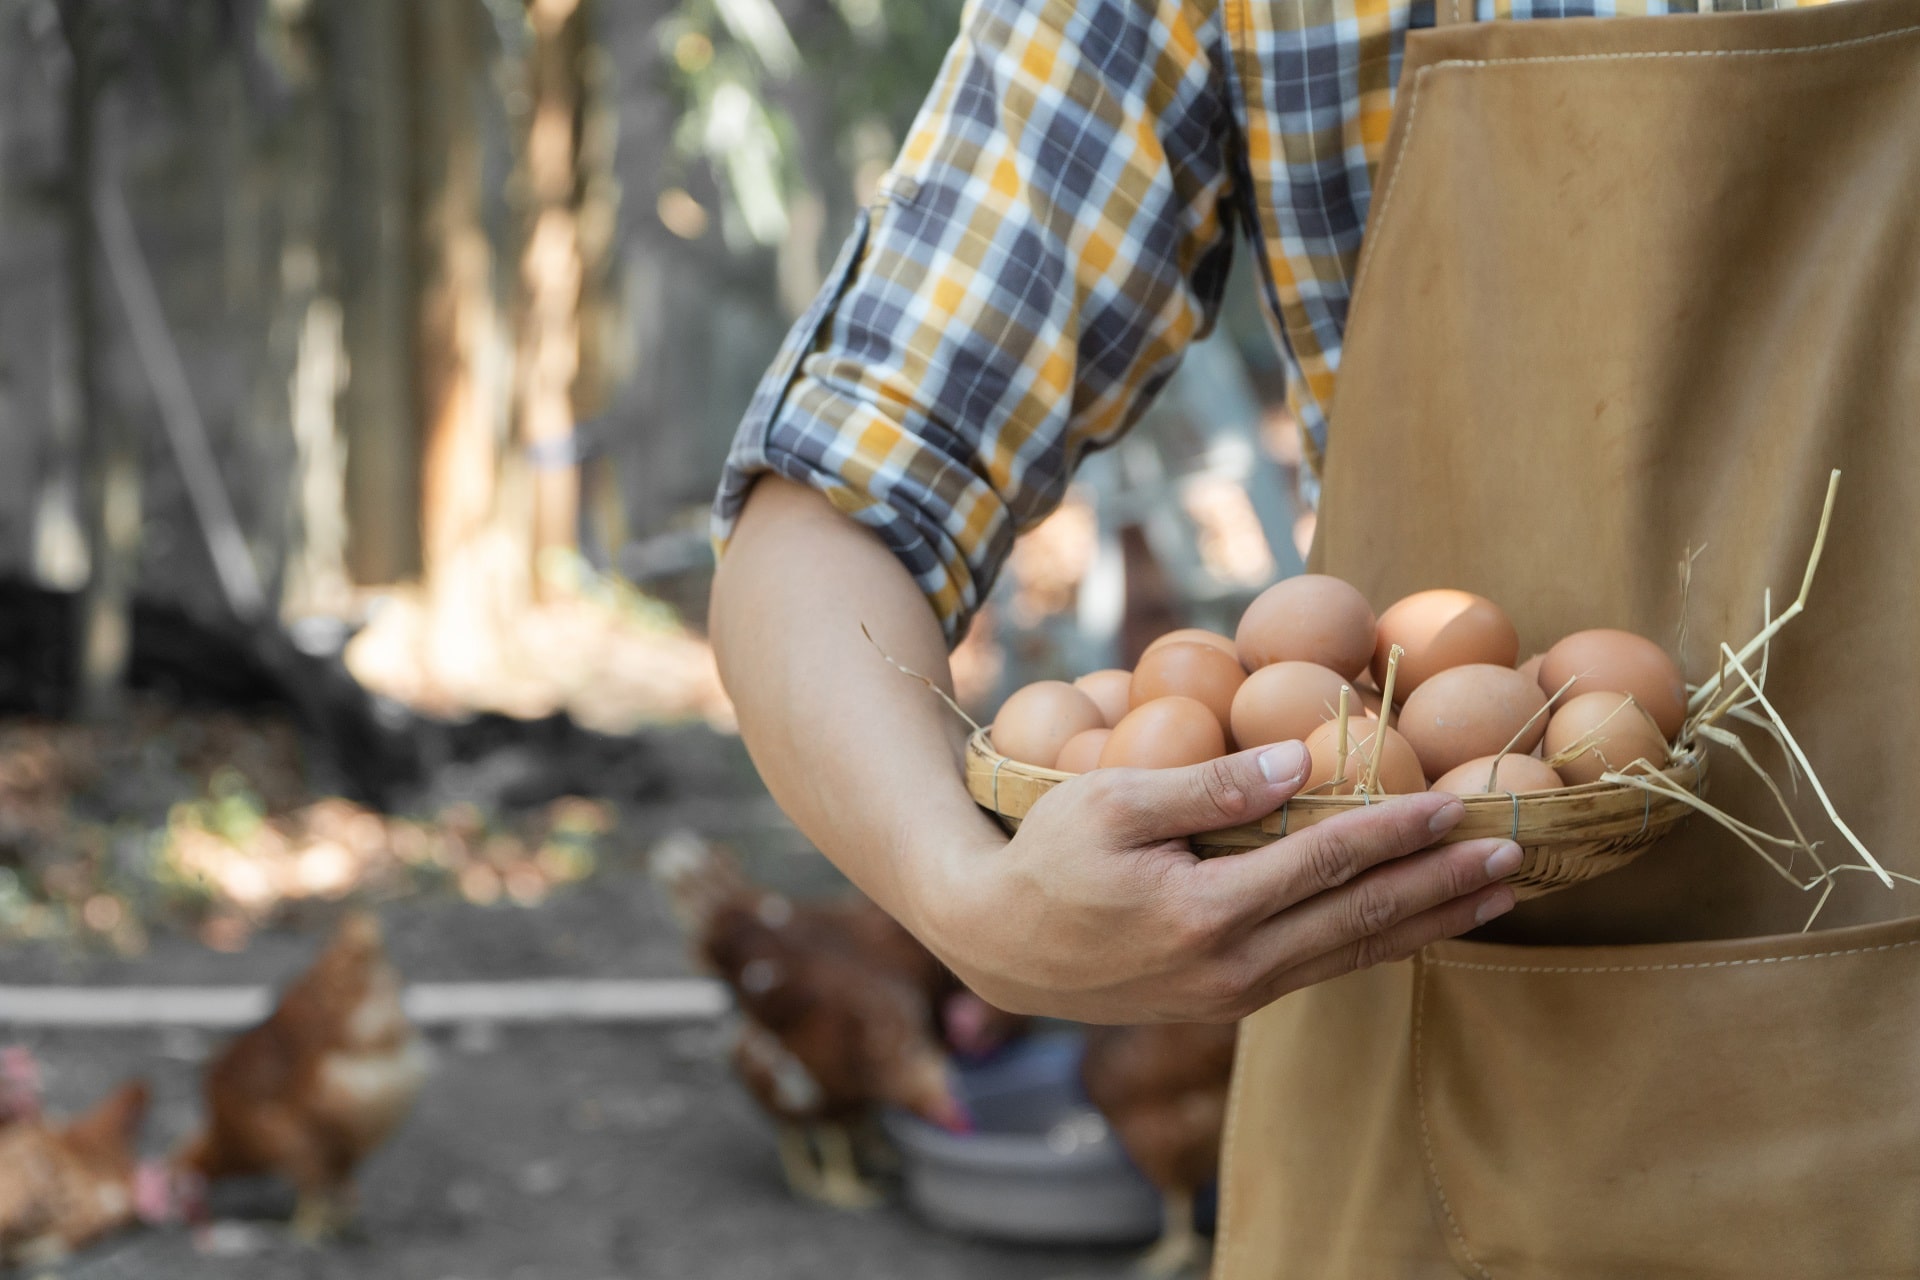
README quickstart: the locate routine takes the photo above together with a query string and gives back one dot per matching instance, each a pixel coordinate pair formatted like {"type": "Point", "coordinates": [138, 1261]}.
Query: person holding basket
{"type": "Point", "coordinates": [1559, 300]}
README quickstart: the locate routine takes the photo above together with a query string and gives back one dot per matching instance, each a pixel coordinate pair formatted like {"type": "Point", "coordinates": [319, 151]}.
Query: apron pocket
{"type": "Point", "coordinates": [1744, 1108]}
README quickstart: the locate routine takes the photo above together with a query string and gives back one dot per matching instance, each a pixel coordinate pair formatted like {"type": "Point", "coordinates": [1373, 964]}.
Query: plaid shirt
{"type": "Point", "coordinates": [1057, 229]}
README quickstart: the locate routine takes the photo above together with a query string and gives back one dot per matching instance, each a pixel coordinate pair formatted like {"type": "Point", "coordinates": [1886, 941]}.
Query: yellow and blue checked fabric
{"type": "Point", "coordinates": [1057, 229]}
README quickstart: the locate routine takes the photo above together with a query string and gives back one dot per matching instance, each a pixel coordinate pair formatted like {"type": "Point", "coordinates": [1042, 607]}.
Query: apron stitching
{"type": "Point", "coordinates": [1630, 56]}
{"type": "Point", "coordinates": [1659, 968]}
{"type": "Point", "coordinates": [1377, 234]}
{"type": "Point", "coordinates": [1398, 159]}
{"type": "Point", "coordinates": [1420, 1100]}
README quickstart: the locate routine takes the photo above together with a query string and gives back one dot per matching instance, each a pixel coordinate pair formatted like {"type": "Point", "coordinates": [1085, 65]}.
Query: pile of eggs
{"type": "Point", "coordinates": [1465, 718]}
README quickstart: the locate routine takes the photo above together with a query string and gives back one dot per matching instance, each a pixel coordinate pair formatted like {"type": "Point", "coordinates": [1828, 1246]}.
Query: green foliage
{"type": "Point", "coordinates": [738, 69]}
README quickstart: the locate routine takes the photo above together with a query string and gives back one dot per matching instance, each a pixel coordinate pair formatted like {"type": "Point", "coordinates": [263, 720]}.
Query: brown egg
{"type": "Point", "coordinates": [1283, 701]}
{"type": "Point", "coordinates": [1441, 629]}
{"type": "Point", "coordinates": [1399, 766]}
{"type": "Point", "coordinates": [1531, 667]}
{"type": "Point", "coordinates": [1621, 733]}
{"type": "Point", "coordinates": [1365, 694]}
{"type": "Point", "coordinates": [1518, 774]}
{"type": "Point", "coordinates": [1188, 670]}
{"type": "Point", "coordinates": [1194, 635]}
{"type": "Point", "coordinates": [1164, 734]}
{"type": "Point", "coordinates": [1619, 662]}
{"type": "Point", "coordinates": [1082, 752]}
{"type": "Point", "coordinates": [1470, 711]}
{"type": "Point", "coordinates": [1036, 721]}
{"type": "Point", "coordinates": [1108, 689]}
{"type": "Point", "coordinates": [1309, 618]}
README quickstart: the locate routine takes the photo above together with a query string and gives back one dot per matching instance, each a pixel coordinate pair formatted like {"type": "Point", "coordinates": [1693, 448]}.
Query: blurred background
{"type": "Point", "coordinates": [366, 369]}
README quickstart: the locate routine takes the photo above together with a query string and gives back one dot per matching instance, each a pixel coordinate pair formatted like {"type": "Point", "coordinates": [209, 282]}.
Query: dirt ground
{"type": "Point", "coordinates": [552, 1153]}
{"type": "Point", "coordinates": [557, 1154]}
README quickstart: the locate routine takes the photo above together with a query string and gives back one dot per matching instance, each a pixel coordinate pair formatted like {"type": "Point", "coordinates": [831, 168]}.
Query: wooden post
{"type": "Point", "coordinates": [453, 316]}
{"type": "Point", "coordinates": [377, 406]}
{"type": "Point", "coordinates": [109, 449]}
{"type": "Point", "coordinates": [552, 269]}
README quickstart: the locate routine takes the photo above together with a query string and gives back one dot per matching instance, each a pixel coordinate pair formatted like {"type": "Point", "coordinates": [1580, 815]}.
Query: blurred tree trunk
{"type": "Point", "coordinates": [109, 449]}
{"type": "Point", "coordinates": [552, 269]}
{"type": "Point", "coordinates": [453, 312]}
{"type": "Point", "coordinates": [377, 406]}
{"type": "Point", "coordinates": [304, 380]}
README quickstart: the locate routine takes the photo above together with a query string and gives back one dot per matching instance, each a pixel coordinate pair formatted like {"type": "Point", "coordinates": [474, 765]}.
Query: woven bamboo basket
{"type": "Point", "coordinates": [1567, 835]}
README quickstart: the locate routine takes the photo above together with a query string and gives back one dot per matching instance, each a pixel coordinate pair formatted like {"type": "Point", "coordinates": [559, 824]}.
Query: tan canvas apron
{"type": "Point", "coordinates": [1633, 286]}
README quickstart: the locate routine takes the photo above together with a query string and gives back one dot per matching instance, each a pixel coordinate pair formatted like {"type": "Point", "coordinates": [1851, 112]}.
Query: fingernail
{"type": "Point", "coordinates": [1493, 908]}
{"type": "Point", "coordinates": [1284, 762]}
{"type": "Point", "coordinates": [1446, 817]}
{"type": "Point", "coordinates": [1503, 861]}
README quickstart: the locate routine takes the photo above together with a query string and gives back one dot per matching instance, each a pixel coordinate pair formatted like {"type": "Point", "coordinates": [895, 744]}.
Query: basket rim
{"type": "Point", "coordinates": [1507, 810]}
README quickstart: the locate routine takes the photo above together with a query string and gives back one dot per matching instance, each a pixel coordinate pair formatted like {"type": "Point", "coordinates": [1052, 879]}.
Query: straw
{"type": "Point", "coordinates": [1340, 740]}
{"type": "Point", "coordinates": [1706, 691]}
{"type": "Point", "coordinates": [1386, 710]}
{"type": "Point", "coordinates": [1813, 780]}
{"type": "Point", "coordinates": [944, 696]}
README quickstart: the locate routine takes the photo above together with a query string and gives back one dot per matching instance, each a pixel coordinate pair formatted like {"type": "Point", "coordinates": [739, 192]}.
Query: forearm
{"type": "Point", "coordinates": [1097, 909]}
{"type": "Point", "coordinates": [865, 761]}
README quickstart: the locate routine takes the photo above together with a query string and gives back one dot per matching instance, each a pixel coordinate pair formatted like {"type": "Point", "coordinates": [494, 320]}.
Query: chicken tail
{"type": "Point", "coordinates": [195, 1155]}
{"type": "Point", "coordinates": [114, 1123]}
{"type": "Point", "coordinates": [699, 878]}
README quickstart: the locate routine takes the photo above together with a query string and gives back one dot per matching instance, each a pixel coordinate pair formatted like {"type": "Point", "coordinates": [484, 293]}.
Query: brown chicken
{"type": "Point", "coordinates": [836, 1014]}
{"type": "Point", "coordinates": [1163, 1091]}
{"type": "Point", "coordinates": [322, 1082]}
{"type": "Point", "coordinates": [65, 1186]}
{"type": "Point", "coordinates": [699, 878]}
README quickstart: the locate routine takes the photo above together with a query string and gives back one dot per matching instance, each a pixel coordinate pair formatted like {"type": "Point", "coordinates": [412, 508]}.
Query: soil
{"type": "Point", "coordinates": [550, 1154]}
{"type": "Point", "coordinates": [536, 1153]}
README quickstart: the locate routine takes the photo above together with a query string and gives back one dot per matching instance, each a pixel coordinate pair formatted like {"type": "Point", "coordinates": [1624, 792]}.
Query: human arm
{"type": "Point", "coordinates": [1055, 233]}
{"type": "Point", "coordinates": [1096, 909]}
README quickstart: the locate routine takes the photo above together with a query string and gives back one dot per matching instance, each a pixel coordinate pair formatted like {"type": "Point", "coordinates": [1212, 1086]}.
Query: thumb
{"type": "Point", "coordinates": [1163, 804]}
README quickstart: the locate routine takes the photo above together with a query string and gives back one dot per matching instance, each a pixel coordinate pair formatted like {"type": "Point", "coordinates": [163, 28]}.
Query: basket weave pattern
{"type": "Point", "coordinates": [1566, 836]}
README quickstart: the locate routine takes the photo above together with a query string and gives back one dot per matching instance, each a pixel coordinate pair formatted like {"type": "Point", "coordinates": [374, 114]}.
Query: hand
{"type": "Point", "coordinates": [1098, 910]}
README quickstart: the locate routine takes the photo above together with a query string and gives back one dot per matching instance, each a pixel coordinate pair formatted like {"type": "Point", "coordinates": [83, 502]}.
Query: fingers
{"type": "Point", "coordinates": [1363, 916]}
{"type": "Point", "coordinates": [1388, 914]}
{"type": "Point", "coordinates": [1266, 881]}
{"type": "Point", "coordinates": [1437, 924]}
{"type": "Point", "coordinates": [1148, 805]}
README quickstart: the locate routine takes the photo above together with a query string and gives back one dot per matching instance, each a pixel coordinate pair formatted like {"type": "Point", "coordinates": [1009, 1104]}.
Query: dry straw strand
{"type": "Point", "coordinates": [944, 695]}
{"type": "Point", "coordinates": [1493, 774]}
{"type": "Point", "coordinates": [1340, 744]}
{"type": "Point", "coordinates": [1686, 596]}
{"type": "Point", "coordinates": [1732, 742]}
{"type": "Point", "coordinates": [1813, 779]}
{"type": "Point", "coordinates": [1706, 691]}
{"type": "Point", "coordinates": [1751, 836]}
{"type": "Point", "coordinates": [1590, 740]}
{"type": "Point", "coordinates": [1386, 710]}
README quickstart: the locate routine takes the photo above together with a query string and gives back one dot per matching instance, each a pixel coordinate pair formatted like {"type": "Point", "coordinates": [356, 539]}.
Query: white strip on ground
{"type": "Point", "coordinates": [428, 1003]}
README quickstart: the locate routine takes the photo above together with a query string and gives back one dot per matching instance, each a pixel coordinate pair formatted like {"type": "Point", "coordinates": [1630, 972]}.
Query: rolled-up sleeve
{"type": "Point", "coordinates": [1053, 235]}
